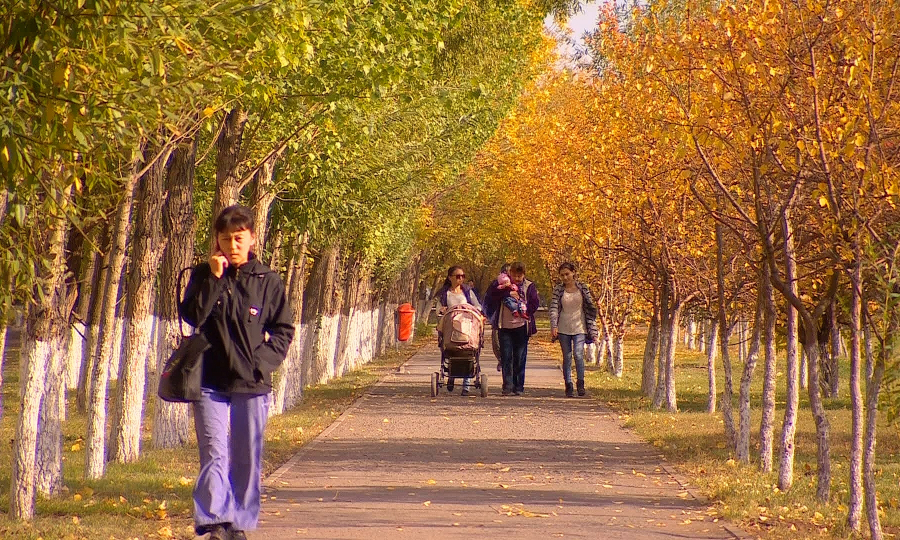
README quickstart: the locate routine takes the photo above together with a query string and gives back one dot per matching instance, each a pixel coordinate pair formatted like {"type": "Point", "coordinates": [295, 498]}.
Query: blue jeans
{"type": "Point", "coordinates": [572, 345]}
{"type": "Point", "coordinates": [228, 487]}
{"type": "Point", "coordinates": [513, 352]}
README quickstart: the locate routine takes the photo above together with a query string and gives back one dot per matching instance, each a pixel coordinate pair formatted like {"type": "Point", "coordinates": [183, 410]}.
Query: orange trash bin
{"type": "Point", "coordinates": [405, 326]}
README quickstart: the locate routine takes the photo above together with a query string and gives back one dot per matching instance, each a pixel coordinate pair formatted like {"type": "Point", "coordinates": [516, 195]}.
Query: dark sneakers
{"type": "Point", "coordinates": [238, 535]}
{"type": "Point", "coordinates": [570, 390]}
{"type": "Point", "coordinates": [217, 532]}
{"type": "Point", "coordinates": [581, 390]}
{"type": "Point", "coordinates": [465, 392]}
{"type": "Point", "coordinates": [450, 385]}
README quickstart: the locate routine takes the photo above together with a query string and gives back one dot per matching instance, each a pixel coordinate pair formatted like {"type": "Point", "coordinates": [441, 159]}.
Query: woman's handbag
{"type": "Point", "coordinates": [179, 381]}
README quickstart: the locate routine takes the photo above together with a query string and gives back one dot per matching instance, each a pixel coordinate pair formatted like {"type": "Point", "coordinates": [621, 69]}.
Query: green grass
{"type": "Point", "coordinates": [152, 498]}
{"type": "Point", "coordinates": [694, 442]}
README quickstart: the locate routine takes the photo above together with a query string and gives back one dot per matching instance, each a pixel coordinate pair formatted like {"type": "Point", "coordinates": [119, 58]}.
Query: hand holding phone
{"type": "Point", "coordinates": [218, 263]}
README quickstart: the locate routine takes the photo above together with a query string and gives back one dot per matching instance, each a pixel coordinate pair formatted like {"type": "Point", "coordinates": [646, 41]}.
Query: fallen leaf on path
{"type": "Point", "coordinates": [426, 503]}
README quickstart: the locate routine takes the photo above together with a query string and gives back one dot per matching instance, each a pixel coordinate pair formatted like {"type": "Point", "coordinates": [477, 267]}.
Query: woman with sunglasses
{"type": "Point", "coordinates": [454, 292]}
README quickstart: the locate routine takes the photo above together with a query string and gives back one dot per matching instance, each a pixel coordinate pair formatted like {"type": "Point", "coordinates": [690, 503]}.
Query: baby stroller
{"type": "Point", "coordinates": [460, 338]}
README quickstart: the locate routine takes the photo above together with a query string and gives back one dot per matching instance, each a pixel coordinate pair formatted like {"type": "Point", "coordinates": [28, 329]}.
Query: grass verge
{"type": "Point", "coordinates": [152, 498]}
{"type": "Point", "coordinates": [694, 442]}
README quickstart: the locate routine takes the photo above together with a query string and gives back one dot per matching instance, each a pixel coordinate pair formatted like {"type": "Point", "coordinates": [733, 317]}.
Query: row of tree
{"type": "Point", "coordinates": [125, 126]}
{"type": "Point", "coordinates": [730, 162]}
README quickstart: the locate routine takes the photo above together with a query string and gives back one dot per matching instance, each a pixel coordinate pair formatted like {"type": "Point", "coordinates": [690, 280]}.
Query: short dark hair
{"type": "Point", "coordinates": [234, 218]}
{"type": "Point", "coordinates": [567, 266]}
{"type": "Point", "coordinates": [517, 267]}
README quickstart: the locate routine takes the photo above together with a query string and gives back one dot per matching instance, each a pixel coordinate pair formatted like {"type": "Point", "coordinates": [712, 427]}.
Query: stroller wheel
{"type": "Point", "coordinates": [484, 386]}
{"type": "Point", "coordinates": [434, 384]}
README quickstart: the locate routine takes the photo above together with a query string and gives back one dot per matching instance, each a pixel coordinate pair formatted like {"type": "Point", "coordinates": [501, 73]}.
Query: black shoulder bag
{"type": "Point", "coordinates": [179, 381]}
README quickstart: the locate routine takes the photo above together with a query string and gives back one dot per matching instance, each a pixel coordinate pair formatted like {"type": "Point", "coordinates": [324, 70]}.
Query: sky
{"type": "Point", "coordinates": [578, 24]}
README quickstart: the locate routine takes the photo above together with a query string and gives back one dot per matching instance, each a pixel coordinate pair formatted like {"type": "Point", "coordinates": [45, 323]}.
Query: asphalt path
{"type": "Point", "coordinates": [400, 464]}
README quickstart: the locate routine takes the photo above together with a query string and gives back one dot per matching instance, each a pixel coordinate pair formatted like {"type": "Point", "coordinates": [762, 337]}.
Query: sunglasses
{"type": "Point", "coordinates": [459, 276]}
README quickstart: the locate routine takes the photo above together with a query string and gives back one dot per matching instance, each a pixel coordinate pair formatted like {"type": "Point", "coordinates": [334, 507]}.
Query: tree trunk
{"type": "Point", "coordinates": [665, 335]}
{"type": "Point", "coordinates": [743, 442]}
{"type": "Point", "coordinates": [95, 441]}
{"type": "Point", "coordinates": [724, 339]}
{"type": "Point", "coordinates": [873, 388]}
{"type": "Point", "coordinates": [835, 367]}
{"type": "Point", "coordinates": [648, 372]}
{"type": "Point", "coordinates": [49, 453]}
{"type": "Point", "coordinates": [347, 333]}
{"type": "Point", "coordinates": [78, 334]}
{"type": "Point", "coordinates": [288, 387]}
{"type": "Point", "coordinates": [711, 365]}
{"type": "Point", "coordinates": [172, 421]}
{"type": "Point", "coordinates": [277, 253]}
{"type": "Point", "coordinates": [742, 341]}
{"type": "Point", "coordinates": [811, 346]}
{"type": "Point", "coordinates": [767, 422]}
{"type": "Point", "coordinates": [317, 317]}
{"type": "Point", "coordinates": [607, 340]}
{"type": "Point", "coordinates": [804, 370]}
{"type": "Point", "coordinates": [691, 333]}
{"type": "Point", "coordinates": [263, 197]}
{"type": "Point", "coordinates": [228, 158]}
{"type": "Point", "coordinates": [671, 398]}
{"type": "Point", "coordinates": [92, 331]}
{"type": "Point", "coordinates": [45, 329]}
{"type": "Point", "coordinates": [147, 245]}
{"type": "Point", "coordinates": [792, 396]}
{"type": "Point", "coordinates": [618, 352]}
{"type": "Point", "coordinates": [854, 512]}
{"type": "Point", "coordinates": [4, 329]}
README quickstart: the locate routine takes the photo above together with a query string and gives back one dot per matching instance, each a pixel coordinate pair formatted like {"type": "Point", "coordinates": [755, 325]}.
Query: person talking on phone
{"type": "Point", "coordinates": [240, 306]}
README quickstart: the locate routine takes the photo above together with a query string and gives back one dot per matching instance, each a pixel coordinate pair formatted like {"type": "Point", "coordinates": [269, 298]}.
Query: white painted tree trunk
{"type": "Point", "coordinates": [45, 328]}
{"type": "Point", "coordinates": [855, 503]}
{"type": "Point", "coordinates": [125, 443]}
{"type": "Point", "coordinates": [703, 335]}
{"type": "Point", "coordinates": [742, 452]}
{"type": "Point", "coordinates": [804, 370]}
{"type": "Point", "coordinates": [147, 247]}
{"type": "Point", "coordinates": [35, 363]}
{"type": "Point", "coordinates": [671, 397]}
{"type": "Point", "coordinates": [95, 440]}
{"type": "Point", "coordinates": [767, 422]}
{"type": "Point", "coordinates": [118, 350]}
{"type": "Point", "coordinates": [75, 359]}
{"type": "Point", "coordinates": [618, 353]}
{"type": "Point", "coordinates": [724, 340]}
{"type": "Point", "coordinates": [172, 421]}
{"type": "Point", "coordinates": [648, 373]}
{"type": "Point", "coordinates": [4, 330]}
{"type": "Point", "coordinates": [711, 365]}
{"type": "Point", "coordinates": [665, 334]}
{"type": "Point", "coordinates": [873, 388]}
{"type": "Point", "coordinates": [49, 453]}
{"type": "Point", "coordinates": [792, 394]}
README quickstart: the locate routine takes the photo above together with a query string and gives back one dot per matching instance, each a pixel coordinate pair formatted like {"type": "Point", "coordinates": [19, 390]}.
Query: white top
{"type": "Point", "coordinates": [571, 316]}
{"type": "Point", "coordinates": [455, 299]}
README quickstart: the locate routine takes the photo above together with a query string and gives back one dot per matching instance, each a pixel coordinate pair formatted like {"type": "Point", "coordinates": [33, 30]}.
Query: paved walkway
{"type": "Point", "coordinates": [400, 464]}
